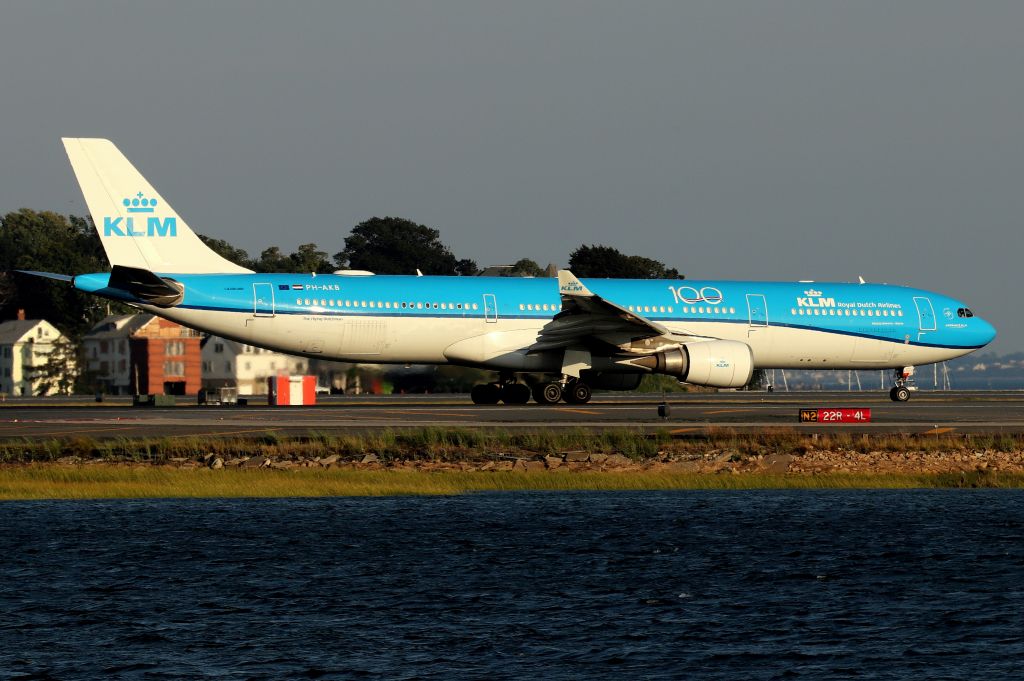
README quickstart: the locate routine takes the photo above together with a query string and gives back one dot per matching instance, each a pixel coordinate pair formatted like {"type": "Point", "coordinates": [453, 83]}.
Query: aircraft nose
{"type": "Point", "coordinates": [985, 332]}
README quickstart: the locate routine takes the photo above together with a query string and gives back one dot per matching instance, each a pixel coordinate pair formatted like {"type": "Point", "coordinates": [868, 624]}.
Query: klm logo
{"type": "Point", "coordinates": [812, 298]}
{"type": "Point", "coordinates": [153, 226]}
{"type": "Point", "coordinates": [140, 204]}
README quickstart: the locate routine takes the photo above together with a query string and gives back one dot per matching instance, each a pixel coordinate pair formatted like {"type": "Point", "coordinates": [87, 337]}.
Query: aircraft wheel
{"type": "Point", "coordinates": [900, 394]}
{"type": "Point", "coordinates": [485, 393]}
{"type": "Point", "coordinates": [578, 393]}
{"type": "Point", "coordinates": [515, 393]}
{"type": "Point", "coordinates": [547, 393]}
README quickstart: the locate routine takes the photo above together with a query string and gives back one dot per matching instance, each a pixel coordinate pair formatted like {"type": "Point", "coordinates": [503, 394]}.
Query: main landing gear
{"type": "Point", "coordinates": [507, 390]}
{"type": "Point", "coordinates": [573, 391]}
{"type": "Point", "coordinates": [901, 391]}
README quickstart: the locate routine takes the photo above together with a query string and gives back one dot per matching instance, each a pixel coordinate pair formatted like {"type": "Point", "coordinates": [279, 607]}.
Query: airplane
{"type": "Point", "coordinates": [576, 335]}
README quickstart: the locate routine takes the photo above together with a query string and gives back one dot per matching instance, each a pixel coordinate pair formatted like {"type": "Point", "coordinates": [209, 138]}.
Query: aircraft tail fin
{"type": "Point", "coordinates": [137, 227]}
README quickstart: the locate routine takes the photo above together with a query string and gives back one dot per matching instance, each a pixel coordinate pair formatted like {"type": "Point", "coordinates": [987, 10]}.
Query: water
{"type": "Point", "coordinates": [714, 585]}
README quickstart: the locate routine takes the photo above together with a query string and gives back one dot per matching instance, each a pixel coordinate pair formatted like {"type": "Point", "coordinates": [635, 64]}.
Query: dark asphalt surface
{"type": "Point", "coordinates": [927, 412]}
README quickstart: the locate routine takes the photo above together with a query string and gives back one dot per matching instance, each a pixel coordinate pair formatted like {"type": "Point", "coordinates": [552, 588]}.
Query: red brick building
{"type": "Point", "coordinates": [162, 357]}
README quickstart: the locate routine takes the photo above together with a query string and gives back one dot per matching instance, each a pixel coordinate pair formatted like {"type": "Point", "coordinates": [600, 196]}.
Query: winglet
{"type": "Point", "coordinates": [569, 285]}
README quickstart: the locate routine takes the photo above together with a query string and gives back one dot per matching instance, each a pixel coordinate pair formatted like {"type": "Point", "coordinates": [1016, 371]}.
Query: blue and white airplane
{"type": "Point", "coordinates": [575, 334]}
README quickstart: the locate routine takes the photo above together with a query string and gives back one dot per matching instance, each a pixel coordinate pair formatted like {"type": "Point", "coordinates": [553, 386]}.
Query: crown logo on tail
{"type": "Point", "coordinates": [139, 204]}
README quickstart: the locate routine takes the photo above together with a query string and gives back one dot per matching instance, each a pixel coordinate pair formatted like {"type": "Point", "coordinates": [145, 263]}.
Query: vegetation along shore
{"type": "Point", "coordinates": [446, 461]}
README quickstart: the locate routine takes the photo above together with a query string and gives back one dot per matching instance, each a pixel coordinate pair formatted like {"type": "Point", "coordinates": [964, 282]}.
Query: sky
{"type": "Point", "coordinates": [733, 140]}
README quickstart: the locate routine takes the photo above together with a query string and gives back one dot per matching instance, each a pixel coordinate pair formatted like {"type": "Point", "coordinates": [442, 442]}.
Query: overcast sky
{"type": "Point", "coordinates": [754, 140]}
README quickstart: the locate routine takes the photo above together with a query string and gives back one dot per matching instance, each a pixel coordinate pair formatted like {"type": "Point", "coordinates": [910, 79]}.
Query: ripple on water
{"type": "Point", "coordinates": [765, 585]}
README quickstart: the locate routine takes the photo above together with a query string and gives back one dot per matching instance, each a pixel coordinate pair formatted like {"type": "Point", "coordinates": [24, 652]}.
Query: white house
{"type": "Point", "coordinates": [24, 344]}
{"type": "Point", "coordinates": [247, 367]}
{"type": "Point", "coordinates": [108, 353]}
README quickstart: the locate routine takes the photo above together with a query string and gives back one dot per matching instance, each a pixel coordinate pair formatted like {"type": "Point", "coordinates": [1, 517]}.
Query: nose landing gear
{"type": "Point", "coordinates": [901, 391]}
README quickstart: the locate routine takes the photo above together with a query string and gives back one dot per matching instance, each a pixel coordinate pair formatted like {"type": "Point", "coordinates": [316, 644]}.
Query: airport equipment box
{"type": "Point", "coordinates": [285, 391]}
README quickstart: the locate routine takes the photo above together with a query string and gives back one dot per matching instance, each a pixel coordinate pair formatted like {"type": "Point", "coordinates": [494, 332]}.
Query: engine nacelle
{"type": "Point", "coordinates": [717, 363]}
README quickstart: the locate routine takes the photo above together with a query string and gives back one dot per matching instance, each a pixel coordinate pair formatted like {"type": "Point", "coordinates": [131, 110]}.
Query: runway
{"type": "Point", "coordinates": [927, 412]}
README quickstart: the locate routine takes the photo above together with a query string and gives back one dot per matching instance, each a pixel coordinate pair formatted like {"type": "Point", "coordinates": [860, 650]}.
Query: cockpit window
{"type": "Point", "coordinates": [964, 312]}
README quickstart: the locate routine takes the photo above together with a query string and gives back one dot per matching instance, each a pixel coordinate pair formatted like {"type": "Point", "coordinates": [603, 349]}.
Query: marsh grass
{"type": "Point", "coordinates": [462, 444]}
{"type": "Point", "coordinates": [126, 481]}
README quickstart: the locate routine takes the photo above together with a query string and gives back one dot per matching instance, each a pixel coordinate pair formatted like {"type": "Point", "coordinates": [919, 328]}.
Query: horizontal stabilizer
{"type": "Point", "coordinates": [146, 286]}
{"type": "Point", "coordinates": [48, 275]}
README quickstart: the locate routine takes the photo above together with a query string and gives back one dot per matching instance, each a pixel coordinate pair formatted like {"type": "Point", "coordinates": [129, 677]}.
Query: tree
{"type": "Point", "coordinates": [398, 246]}
{"type": "Point", "coordinates": [49, 242]}
{"type": "Point", "coordinates": [227, 251]}
{"type": "Point", "coordinates": [310, 259]}
{"type": "Point", "coordinates": [605, 261]}
{"type": "Point", "coordinates": [466, 268]}
{"type": "Point", "coordinates": [273, 260]}
{"type": "Point", "coordinates": [525, 267]}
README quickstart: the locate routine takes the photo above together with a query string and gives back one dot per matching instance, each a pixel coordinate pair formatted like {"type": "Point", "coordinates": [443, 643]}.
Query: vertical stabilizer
{"type": "Point", "coordinates": [137, 227]}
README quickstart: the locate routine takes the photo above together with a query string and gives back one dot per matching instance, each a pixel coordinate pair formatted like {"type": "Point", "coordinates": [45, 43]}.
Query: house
{"type": "Point", "coordinates": [247, 367]}
{"type": "Point", "coordinates": [143, 354]}
{"type": "Point", "coordinates": [25, 346]}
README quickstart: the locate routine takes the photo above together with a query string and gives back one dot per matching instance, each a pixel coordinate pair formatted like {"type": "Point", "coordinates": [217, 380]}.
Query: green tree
{"type": "Point", "coordinates": [397, 246]}
{"type": "Point", "coordinates": [525, 267]}
{"type": "Point", "coordinates": [227, 251]}
{"type": "Point", "coordinates": [49, 242]}
{"type": "Point", "coordinates": [605, 261]}
{"type": "Point", "coordinates": [310, 259]}
{"type": "Point", "coordinates": [273, 260]}
{"type": "Point", "coordinates": [466, 268]}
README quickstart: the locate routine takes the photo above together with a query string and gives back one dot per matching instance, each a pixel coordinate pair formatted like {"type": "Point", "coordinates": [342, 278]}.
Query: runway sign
{"type": "Point", "coordinates": [835, 415]}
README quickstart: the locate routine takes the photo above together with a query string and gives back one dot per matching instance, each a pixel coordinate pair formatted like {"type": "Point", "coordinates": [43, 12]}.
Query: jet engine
{"type": "Point", "coordinates": [715, 363]}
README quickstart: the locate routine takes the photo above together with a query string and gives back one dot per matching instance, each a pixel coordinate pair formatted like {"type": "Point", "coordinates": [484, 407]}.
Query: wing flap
{"type": "Point", "coordinates": [587, 317]}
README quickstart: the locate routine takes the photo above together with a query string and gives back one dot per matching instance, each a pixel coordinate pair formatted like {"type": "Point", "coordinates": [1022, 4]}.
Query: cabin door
{"type": "Point", "coordinates": [490, 308]}
{"type": "Point", "coordinates": [925, 315]}
{"type": "Point", "coordinates": [757, 311]}
{"type": "Point", "coordinates": [263, 300]}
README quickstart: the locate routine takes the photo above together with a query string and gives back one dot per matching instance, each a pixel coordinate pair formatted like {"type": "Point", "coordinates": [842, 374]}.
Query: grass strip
{"type": "Point", "coordinates": [51, 481]}
{"type": "Point", "coordinates": [468, 444]}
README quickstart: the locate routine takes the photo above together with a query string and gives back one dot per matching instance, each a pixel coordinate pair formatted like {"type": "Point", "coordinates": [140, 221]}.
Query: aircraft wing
{"type": "Point", "coordinates": [586, 317]}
